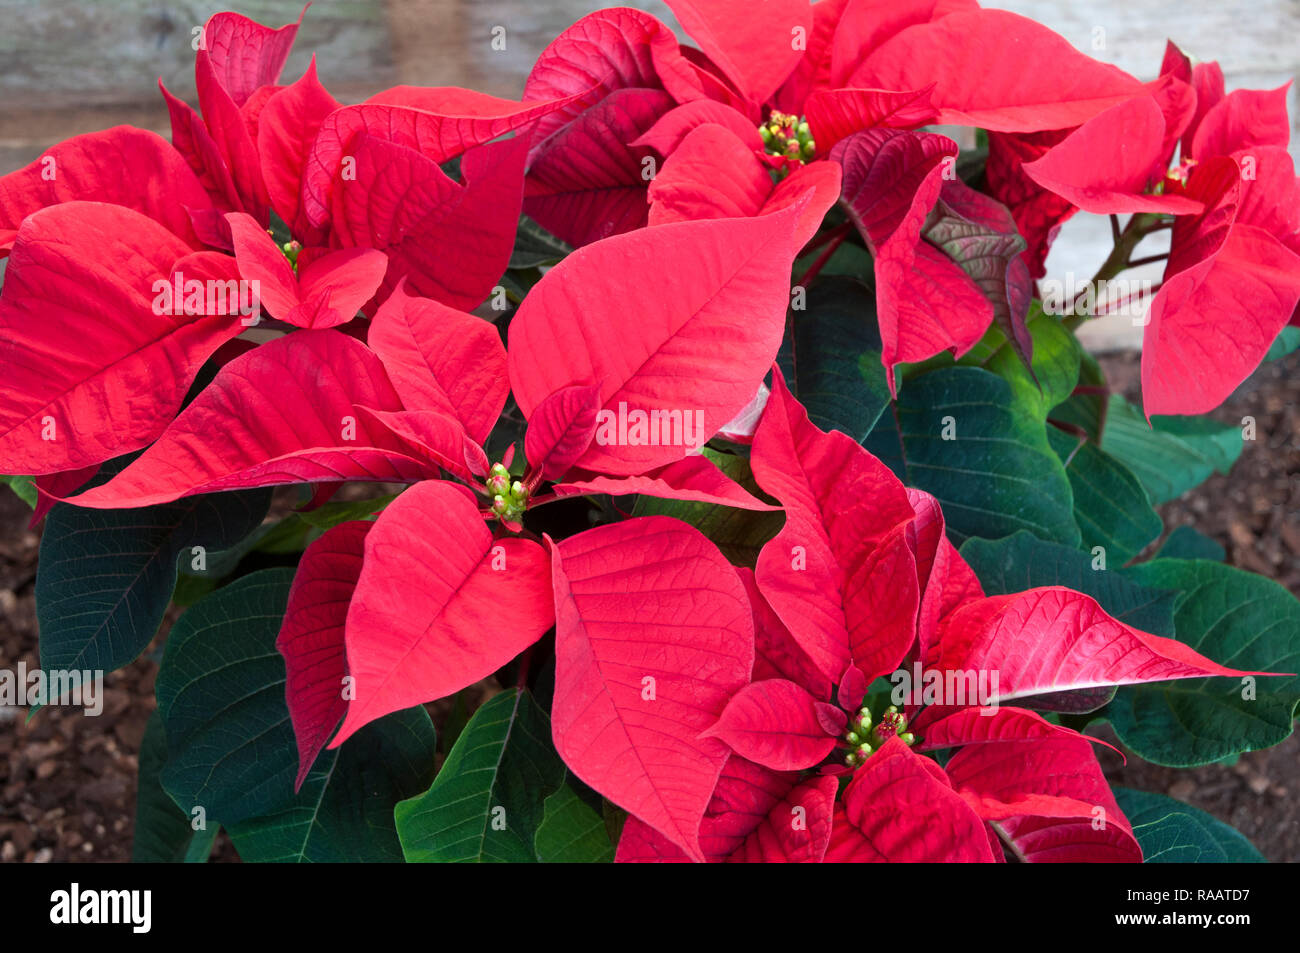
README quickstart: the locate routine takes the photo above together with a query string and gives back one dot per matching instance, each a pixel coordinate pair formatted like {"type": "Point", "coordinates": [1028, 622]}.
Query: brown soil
{"type": "Point", "coordinates": [67, 781]}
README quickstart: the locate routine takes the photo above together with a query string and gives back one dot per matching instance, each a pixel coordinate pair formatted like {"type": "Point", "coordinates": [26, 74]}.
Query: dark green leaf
{"type": "Point", "coordinates": [1239, 620]}
{"type": "Point", "coordinates": [220, 692]}
{"type": "Point", "coordinates": [486, 803]}
{"type": "Point", "coordinates": [1286, 342]}
{"type": "Point", "coordinates": [1178, 454]}
{"type": "Point", "coordinates": [535, 246]}
{"type": "Point", "coordinates": [960, 434]}
{"type": "Point", "coordinates": [1110, 505]}
{"type": "Point", "coordinates": [1171, 832]}
{"type": "Point", "coordinates": [344, 812]}
{"type": "Point", "coordinates": [573, 827]}
{"type": "Point", "coordinates": [831, 357]}
{"type": "Point", "coordinates": [1187, 542]}
{"type": "Point", "coordinates": [163, 834]}
{"type": "Point", "coordinates": [105, 577]}
{"type": "Point", "coordinates": [1023, 562]}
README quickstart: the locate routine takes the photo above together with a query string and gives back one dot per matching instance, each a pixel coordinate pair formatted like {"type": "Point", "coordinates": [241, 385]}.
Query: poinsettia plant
{"type": "Point", "coordinates": [689, 438]}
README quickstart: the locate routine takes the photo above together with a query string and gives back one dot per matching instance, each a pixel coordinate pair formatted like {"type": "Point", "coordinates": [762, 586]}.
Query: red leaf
{"type": "Point", "coordinates": [245, 54]}
{"type": "Point", "coordinates": [190, 137]}
{"type": "Point", "coordinates": [1211, 325]}
{"type": "Point", "coordinates": [122, 166]}
{"type": "Point", "coordinates": [699, 341]}
{"type": "Point", "coordinates": [835, 114]}
{"type": "Point", "coordinates": [1045, 798]}
{"type": "Point", "coordinates": [1244, 119]}
{"type": "Point", "coordinates": [745, 794]}
{"type": "Point", "coordinates": [1105, 164]}
{"type": "Point", "coordinates": [755, 45]}
{"type": "Point", "coordinates": [469, 119]}
{"type": "Point", "coordinates": [796, 831]}
{"type": "Point", "coordinates": [311, 637]}
{"type": "Point", "coordinates": [435, 436]}
{"type": "Point", "coordinates": [1230, 287]}
{"type": "Point", "coordinates": [776, 653]}
{"type": "Point", "coordinates": [285, 133]}
{"type": "Point", "coordinates": [690, 478]}
{"type": "Point", "coordinates": [94, 370]}
{"type": "Point", "coordinates": [440, 358]}
{"type": "Point", "coordinates": [944, 727]}
{"type": "Point", "coordinates": [588, 182]}
{"type": "Point", "coordinates": [865, 25]}
{"type": "Point", "coordinates": [606, 51]}
{"type": "Point", "coordinates": [925, 303]}
{"type": "Point", "coordinates": [846, 517]}
{"type": "Point", "coordinates": [774, 723]}
{"type": "Point", "coordinates": [451, 241]}
{"type": "Point", "coordinates": [282, 413]}
{"type": "Point", "coordinates": [676, 124]}
{"type": "Point", "coordinates": [1053, 639]}
{"type": "Point", "coordinates": [713, 174]}
{"type": "Point", "coordinates": [560, 429]}
{"type": "Point", "coordinates": [1038, 212]}
{"type": "Point", "coordinates": [229, 130]}
{"type": "Point", "coordinates": [440, 604]}
{"type": "Point", "coordinates": [899, 809]}
{"type": "Point", "coordinates": [653, 635]}
{"type": "Point", "coordinates": [328, 290]}
{"type": "Point", "coordinates": [997, 70]}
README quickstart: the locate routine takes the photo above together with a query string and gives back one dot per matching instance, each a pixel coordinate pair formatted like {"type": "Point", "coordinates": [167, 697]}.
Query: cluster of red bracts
{"type": "Point", "coordinates": [695, 695]}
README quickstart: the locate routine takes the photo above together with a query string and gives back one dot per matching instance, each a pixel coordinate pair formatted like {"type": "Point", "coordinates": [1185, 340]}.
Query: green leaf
{"type": "Point", "coordinates": [1178, 454]}
{"type": "Point", "coordinates": [1023, 562]}
{"type": "Point", "coordinates": [1171, 832]}
{"type": "Point", "coordinates": [1056, 358]}
{"type": "Point", "coordinates": [24, 487]}
{"type": "Point", "coordinates": [105, 577]}
{"type": "Point", "coordinates": [1239, 620]}
{"type": "Point", "coordinates": [536, 246]}
{"type": "Point", "coordinates": [740, 534]}
{"type": "Point", "coordinates": [1085, 411]}
{"type": "Point", "coordinates": [344, 812]}
{"type": "Point", "coordinates": [163, 834]}
{"type": "Point", "coordinates": [1110, 506]}
{"type": "Point", "coordinates": [1286, 342]}
{"type": "Point", "coordinates": [961, 434]}
{"type": "Point", "coordinates": [831, 357]}
{"type": "Point", "coordinates": [220, 693]}
{"type": "Point", "coordinates": [1187, 542]}
{"type": "Point", "coordinates": [573, 827]}
{"type": "Point", "coordinates": [486, 803]}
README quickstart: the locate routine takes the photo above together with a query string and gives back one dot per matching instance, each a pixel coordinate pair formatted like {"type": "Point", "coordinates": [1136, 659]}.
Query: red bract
{"type": "Point", "coordinates": [101, 343]}
{"type": "Point", "coordinates": [329, 290]}
{"type": "Point", "coordinates": [1036, 785]}
{"type": "Point", "coordinates": [688, 352]}
{"type": "Point", "coordinates": [439, 603]}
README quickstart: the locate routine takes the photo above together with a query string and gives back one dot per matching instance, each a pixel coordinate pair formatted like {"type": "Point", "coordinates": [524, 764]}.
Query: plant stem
{"type": "Point", "coordinates": [1138, 227]}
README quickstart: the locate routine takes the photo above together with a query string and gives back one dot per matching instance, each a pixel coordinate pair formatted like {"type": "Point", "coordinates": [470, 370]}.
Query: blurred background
{"type": "Point", "coordinates": [67, 782]}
